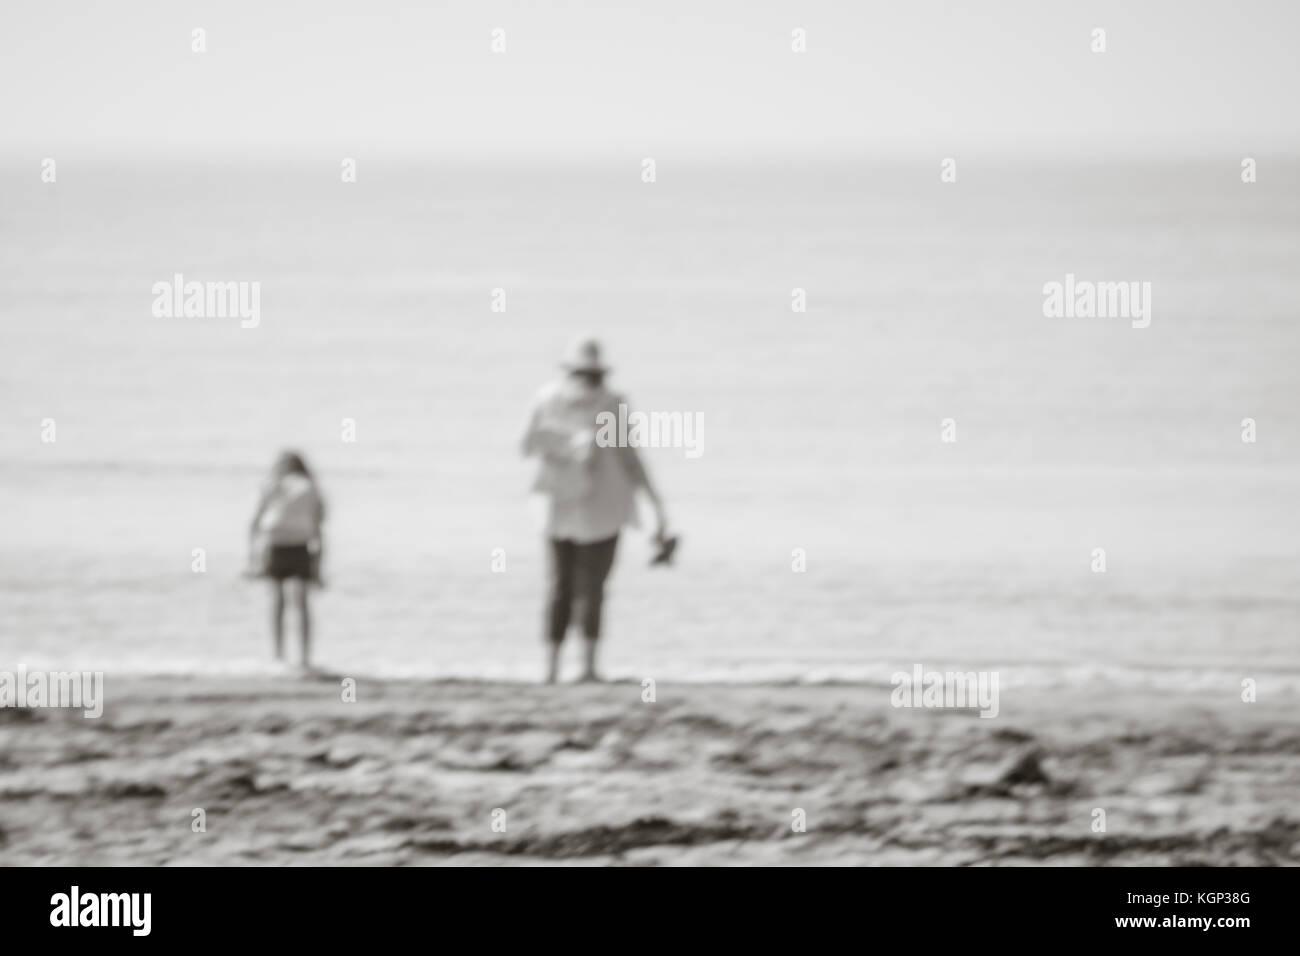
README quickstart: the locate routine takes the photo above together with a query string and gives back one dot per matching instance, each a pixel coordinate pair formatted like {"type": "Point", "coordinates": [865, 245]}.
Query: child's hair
{"type": "Point", "coordinates": [291, 463]}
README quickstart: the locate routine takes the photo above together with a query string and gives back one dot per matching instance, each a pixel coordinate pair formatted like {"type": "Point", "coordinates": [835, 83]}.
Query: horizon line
{"type": "Point", "coordinates": [202, 154]}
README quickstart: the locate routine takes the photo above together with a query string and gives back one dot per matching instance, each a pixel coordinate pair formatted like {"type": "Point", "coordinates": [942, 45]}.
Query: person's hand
{"type": "Point", "coordinates": [582, 442]}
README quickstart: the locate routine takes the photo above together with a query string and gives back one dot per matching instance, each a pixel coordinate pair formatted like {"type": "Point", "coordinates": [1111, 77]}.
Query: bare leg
{"type": "Point", "coordinates": [589, 659]}
{"type": "Point", "coordinates": [277, 618]}
{"type": "Point", "coordinates": [304, 618]}
{"type": "Point", "coordinates": [559, 604]}
{"type": "Point", "coordinates": [553, 661]}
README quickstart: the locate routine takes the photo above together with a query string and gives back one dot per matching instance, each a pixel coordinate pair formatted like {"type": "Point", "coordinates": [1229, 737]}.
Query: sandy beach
{"type": "Point", "coordinates": [412, 772]}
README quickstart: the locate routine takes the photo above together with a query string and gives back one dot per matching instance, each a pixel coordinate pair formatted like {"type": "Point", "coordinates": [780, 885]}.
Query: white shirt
{"type": "Point", "coordinates": [291, 511]}
{"type": "Point", "coordinates": [592, 495]}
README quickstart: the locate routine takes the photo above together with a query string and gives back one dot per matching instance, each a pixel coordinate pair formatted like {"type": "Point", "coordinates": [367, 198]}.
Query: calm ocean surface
{"type": "Point", "coordinates": [821, 429]}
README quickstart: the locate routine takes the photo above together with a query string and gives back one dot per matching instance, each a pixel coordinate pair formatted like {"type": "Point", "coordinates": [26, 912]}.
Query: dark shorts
{"type": "Point", "coordinates": [289, 561]}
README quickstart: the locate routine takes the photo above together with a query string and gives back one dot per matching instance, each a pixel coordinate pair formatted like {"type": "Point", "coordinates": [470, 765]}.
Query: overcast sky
{"type": "Point", "coordinates": [654, 77]}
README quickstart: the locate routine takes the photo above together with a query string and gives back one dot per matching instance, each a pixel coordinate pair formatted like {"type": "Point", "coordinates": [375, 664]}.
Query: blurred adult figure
{"type": "Point", "coordinates": [592, 497]}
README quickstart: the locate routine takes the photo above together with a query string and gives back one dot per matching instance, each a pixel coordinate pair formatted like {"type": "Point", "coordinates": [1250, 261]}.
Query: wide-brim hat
{"type": "Point", "coordinates": [584, 356]}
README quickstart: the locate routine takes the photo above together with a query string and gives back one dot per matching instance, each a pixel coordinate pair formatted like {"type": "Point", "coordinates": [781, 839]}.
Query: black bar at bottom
{"type": "Point", "coordinates": [332, 905]}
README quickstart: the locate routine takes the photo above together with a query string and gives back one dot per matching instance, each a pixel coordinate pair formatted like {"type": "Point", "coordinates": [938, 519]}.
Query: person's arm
{"type": "Point", "coordinates": [553, 444]}
{"type": "Point", "coordinates": [263, 500]}
{"type": "Point", "coordinates": [318, 536]}
{"type": "Point", "coordinates": [531, 443]}
{"type": "Point", "coordinates": [632, 462]}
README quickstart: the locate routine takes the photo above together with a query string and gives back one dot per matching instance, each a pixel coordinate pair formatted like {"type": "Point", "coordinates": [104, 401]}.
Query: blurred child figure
{"type": "Point", "coordinates": [285, 536]}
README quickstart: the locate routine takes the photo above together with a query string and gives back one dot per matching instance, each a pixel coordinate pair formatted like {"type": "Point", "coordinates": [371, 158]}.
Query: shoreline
{"type": "Point", "coordinates": [1025, 679]}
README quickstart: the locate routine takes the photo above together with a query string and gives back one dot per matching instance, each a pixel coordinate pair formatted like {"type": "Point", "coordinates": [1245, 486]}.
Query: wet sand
{"type": "Point", "coordinates": [412, 772]}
